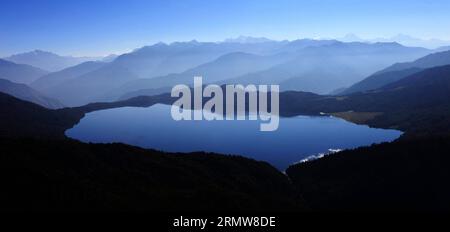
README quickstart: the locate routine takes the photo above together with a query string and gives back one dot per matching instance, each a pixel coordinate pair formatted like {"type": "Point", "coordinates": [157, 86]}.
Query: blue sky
{"type": "Point", "coordinates": [98, 27]}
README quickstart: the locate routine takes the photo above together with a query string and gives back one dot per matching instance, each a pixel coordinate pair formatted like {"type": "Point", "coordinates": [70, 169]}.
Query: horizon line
{"type": "Point", "coordinates": [230, 40]}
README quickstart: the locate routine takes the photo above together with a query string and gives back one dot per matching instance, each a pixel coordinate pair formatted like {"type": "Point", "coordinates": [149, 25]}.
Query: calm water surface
{"type": "Point", "coordinates": [296, 138]}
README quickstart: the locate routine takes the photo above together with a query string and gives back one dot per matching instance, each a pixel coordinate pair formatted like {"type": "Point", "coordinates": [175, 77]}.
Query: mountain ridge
{"type": "Point", "coordinates": [26, 93]}
{"type": "Point", "coordinates": [47, 60]}
{"type": "Point", "coordinates": [19, 73]}
{"type": "Point", "coordinates": [398, 71]}
{"type": "Point", "coordinates": [50, 80]}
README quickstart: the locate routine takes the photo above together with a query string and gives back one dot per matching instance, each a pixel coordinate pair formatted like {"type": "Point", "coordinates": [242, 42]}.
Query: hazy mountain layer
{"type": "Point", "coordinates": [379, 80]}
{"type": "Point", "coordinates": [90, 87]}
{"type": "Point", "coordinates": [19, 73]}
{"type": "Point", "coordinates": [26, 93]}
{"type": "Point", "coordinates": [400, 70]}
{"type": "Point", "coordinates": [47, 60]}
{"type": "Point", "coordinates": [325, 68]}
{"type": "Point", "coordinates": [45, 83]}
{"type": "Point", "coordinates": [319, 66]}
{"type": "Point", "coordinates": [225, 67]}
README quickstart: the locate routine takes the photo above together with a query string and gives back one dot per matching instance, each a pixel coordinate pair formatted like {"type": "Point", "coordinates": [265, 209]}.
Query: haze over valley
{"type": "Point", "coordinates": [179, 107]}
{"type": "Point", "coordinates": [318, 66]}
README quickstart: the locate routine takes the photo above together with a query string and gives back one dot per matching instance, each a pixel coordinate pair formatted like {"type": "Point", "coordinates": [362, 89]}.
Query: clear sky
{"type": "Point", "coordinates": [99, 27]}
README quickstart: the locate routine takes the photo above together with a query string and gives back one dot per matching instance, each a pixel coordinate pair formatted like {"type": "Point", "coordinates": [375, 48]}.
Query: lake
{"type": "Point", "coordinates": [296, 138]}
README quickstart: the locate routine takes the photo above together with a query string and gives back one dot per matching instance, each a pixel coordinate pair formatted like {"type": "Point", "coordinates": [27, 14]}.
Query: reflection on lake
{"type": "Point", "coordinates": [296, 138]}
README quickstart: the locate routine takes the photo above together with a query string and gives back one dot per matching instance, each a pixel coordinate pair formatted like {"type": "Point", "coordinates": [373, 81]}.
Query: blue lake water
{"type": "Point", "coordinates": [296, 138]}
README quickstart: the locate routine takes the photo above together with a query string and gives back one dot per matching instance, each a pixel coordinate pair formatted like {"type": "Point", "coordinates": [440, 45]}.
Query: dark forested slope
{"type": "Point", "coordinates": [42, 170]}
{"type": "Point", "coordinates": [68, 175]}
{"type": "Point", "coordinates": [406, 175]}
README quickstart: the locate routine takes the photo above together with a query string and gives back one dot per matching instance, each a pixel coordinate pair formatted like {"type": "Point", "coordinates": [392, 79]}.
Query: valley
{"type": "Point", "coordinates": [398, 88]}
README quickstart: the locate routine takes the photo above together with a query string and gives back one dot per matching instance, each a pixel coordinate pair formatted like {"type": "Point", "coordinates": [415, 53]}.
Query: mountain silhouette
{"type": "Point", "coordinates": [26, 93]}
{"type": "Point", "coordinates": [47, 82]}
{"type": "Point", "coordinates": [398, 71]}
{"type": "Point", "coordinates": [47, 60]}
{"type": "Point", "coordinates": [322, 69]}
{"type": "Point", "coordinates": [19, 73]}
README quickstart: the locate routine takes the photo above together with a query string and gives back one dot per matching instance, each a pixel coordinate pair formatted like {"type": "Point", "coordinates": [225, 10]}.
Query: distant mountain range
{"type": "Point", "coordinates": [248, 39]}
{"type": "Point", "coordinates": [47, 60]}
{"type": "Point", "coordinates": [307, 65]}
{"type": "Point", "coordinates": [416, 104]}
{"type": "Point", "coordinates": [319, 66]}
{"type": "Point", "coordinates": [223, 68]}
{"type": "Point", "coordinates": [26, 93]}
{"type": "Point", "coordinates": [51, 80]}
{"type": "Point", "coordinates": [19, 73]}
{"type": "Point", "coordinates": [408, 174]}
{"type": "Point", "coordinates": [323, 69]}
{"type": "Point", "coordinates": [398, 71]}
{"type": "Point", "coordinates": [90, 86]}
{"type": "Point", "coordinates": [161, 60]}
{"type": "Point", "coordinates": [400, 38]}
